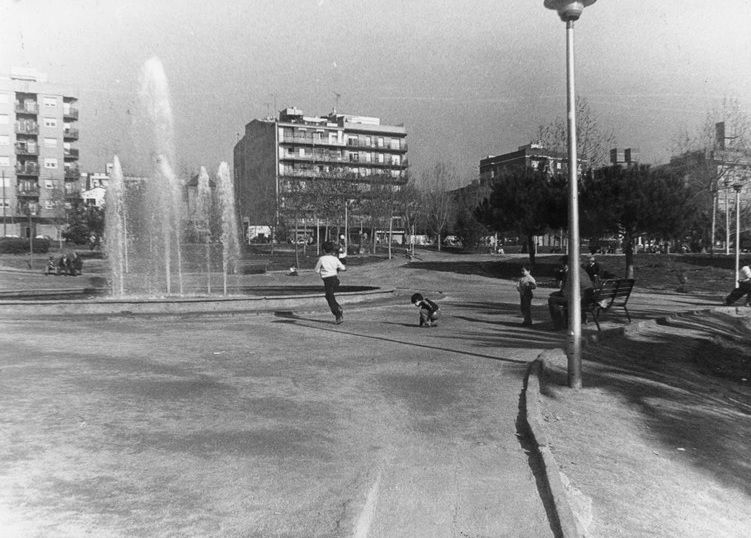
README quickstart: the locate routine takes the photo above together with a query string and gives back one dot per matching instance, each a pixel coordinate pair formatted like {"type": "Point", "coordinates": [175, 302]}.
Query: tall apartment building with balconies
{"type": "Point", "coordinates": [39, 173]}
{"type": "Point", "coordinates": [284, 155]}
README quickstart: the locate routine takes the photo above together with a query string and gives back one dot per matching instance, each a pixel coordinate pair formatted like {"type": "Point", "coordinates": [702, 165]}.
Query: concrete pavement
{"type": "Point", "coordinates": [283, 424]}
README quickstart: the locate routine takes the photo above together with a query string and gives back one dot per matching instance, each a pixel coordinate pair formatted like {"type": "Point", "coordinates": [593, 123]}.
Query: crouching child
{"type": "Point", "coordinates": [428, 310]}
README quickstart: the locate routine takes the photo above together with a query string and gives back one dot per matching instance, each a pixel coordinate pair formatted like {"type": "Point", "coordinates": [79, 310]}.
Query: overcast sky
{"type": "Point", "coordinates": [467, 78]}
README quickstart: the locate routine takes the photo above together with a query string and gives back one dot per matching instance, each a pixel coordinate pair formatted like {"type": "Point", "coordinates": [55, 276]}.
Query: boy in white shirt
{"type": "Point", "coordinates": [328, 266]}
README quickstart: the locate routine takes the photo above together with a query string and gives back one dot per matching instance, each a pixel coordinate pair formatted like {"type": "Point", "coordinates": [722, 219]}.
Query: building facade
{"type": "Point", "coordinates": [39, 155]}
{"type": "Point", "coordinates": [282, 158]}
{"type": "Point", "coordinates": [528, 157]}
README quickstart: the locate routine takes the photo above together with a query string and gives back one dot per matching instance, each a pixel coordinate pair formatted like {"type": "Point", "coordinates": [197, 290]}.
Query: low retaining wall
{"type": "Point", "coordinates": [182, 305]}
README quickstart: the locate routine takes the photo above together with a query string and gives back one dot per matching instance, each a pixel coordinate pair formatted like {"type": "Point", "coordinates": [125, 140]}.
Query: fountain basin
{"type": "Point", "coordinates": [254, 299]}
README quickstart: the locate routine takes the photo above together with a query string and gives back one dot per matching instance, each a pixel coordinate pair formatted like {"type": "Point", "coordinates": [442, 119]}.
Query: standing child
{"type": "Point", "coordinates": [428, 310]}
{"type": "Point", "coordinates": [328, 266]}
{"type": "Point", "coordinates": [525, 286]}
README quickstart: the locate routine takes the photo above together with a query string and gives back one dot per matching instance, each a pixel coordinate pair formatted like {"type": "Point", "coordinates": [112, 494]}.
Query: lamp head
{"type": "Point", "coordinates": [568, 10]}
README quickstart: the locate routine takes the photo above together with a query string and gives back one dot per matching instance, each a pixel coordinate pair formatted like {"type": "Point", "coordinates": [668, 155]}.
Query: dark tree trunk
{"type": "Point", "coordinates": [628, 250]}
{"type": "Point", "coordinates": [531, 248]}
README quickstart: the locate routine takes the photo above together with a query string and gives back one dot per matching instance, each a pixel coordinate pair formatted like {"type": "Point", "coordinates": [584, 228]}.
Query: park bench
{"type": "Point", "coordinates": [613, 293]}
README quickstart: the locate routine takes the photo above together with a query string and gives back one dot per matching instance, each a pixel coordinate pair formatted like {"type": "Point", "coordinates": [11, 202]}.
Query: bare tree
{"type": "Point", "coordinates": [56, 208]}
{"type": "Point", "coordinates": [715, 155]}
{"type": "Point", "coordinates": [592, 141]}
{"type": "Point", "coordinates": [436, 185]}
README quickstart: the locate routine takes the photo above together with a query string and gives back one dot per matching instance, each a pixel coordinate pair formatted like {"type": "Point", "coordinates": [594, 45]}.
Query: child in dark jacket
{"type": "Point", "coordinates": [428, 310]}
{"type": "Point", "coordinates": [525, 286]}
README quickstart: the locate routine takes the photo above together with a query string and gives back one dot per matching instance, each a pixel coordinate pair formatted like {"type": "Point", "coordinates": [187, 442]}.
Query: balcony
{"type": "Point", "coordinates": [70, 134]}
{"type": "Point", "coordinates": [27, 189]}
{"type": "Point", "coordinates": [28, 168]}
{"type": "Point", "coordinates": [27, 128]}
{"type": "Point", "coordinates": [72, 173]}
{"type": "Point", "coordinates": [309, 141]}
{"type": "Point", "coordinates": [29, 107]}
{"type": "Point", "coordinates": [25, 149]}
{"type": "Point", "coordinates": [70, 114]}
{"type": "Point", "coordinates": [322, 159]}
{"type": "Point", "coordinates": [71, 154]}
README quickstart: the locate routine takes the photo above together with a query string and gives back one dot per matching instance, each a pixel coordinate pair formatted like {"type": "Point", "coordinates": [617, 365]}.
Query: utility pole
{"type": "Point", "coordinates": [5, 202]}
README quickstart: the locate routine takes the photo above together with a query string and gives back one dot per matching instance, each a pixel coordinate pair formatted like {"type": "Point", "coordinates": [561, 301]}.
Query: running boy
{"type": "Point", "coordinates": [525, 286]}
{"type": "Point", "coordinates": [328, 266]}
{"type": "Point", "coordinates": [428, 310]}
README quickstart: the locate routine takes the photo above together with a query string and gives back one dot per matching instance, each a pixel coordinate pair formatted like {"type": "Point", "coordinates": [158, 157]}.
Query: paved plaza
{"type": "Point", "coordinates": [280, 423]}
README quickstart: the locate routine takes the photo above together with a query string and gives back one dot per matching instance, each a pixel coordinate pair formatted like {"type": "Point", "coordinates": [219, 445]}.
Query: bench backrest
{"type": "Point", "coordinates": [613, 292]}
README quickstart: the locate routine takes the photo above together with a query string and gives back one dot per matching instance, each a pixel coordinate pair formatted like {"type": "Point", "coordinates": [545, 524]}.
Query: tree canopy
{"type": "Point", "coordinates": [633, 201]}
{"type": "Point", "coordinates": [526, 202]}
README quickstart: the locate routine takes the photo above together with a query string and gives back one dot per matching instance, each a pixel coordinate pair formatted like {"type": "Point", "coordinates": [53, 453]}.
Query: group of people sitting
{"type": "Point", "coordinates": [67, 264]}
{"type": "Point", "coordinates": [590, 277]}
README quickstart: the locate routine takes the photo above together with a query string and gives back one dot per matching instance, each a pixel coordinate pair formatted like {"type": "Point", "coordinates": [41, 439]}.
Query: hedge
{"type": "Point", "coordinates": [19, 245]}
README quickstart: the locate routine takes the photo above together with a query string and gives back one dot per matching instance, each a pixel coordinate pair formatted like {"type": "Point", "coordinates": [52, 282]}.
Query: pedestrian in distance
{"type": "Point", "coordinates": [342, 251]}
{"type": "Point", "coordinates": [51, 266]}
{"type": "Point", "coordinates": [428, 310]}
{"type": "Point", "coordinates": [328, 266]}
{"type": "Point", "coordinates": [561, 272]}
{"type": "Point", "coordinates": [593, 269]}
{"type": "Point", "coordinates": [744, 287]}
{"type": "Point", "coordinates": [524, 286]}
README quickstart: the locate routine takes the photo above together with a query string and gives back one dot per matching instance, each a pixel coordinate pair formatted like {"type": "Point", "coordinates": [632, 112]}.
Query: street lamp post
{"type": "Point", "coordinates": [737, 188]}
{"type": "Point", "coordinates": [570, 11]}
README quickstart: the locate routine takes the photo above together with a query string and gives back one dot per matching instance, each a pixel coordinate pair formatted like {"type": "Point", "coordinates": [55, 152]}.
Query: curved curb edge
{"type": "Point", "coordinates": [568, 524]}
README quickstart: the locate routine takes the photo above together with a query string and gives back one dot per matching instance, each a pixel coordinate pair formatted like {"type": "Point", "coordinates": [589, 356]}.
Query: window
{"type": "Point", "coordinates": [49, 185]}
{"type": "Point", "coordinates": [4, 160]}
{"type": "Point", "coordinates": [4, 140]}
{"type": "Point", "coordinates": [395, 144]}
{"type": "Point", "coordinates": [4, 119]}
{"type": "Point", "coordinates": [302, 152]}
{"type": "Point", "coordinates": [50, 142]}
{"type": "Point", "coordinates": [49, 102]}
{"type": "Point", "coordinates": [4, 202]}
{"type": "Point", "coordinates": [354, 157]}
{"type": "Point", "coordinates": [380, 142]}
{"type": "Point", "coordinates": [47, 204]}
{"type": "Point", "coordinates": [5, 181]}
{"type": "Point", "coordinates": [4, 97]}
{"type": "Point", "coordinates": [50, 122]}
{"type": "Point", "coordinates": [50, 164]}
{"type": "Point", "coordinates": [380, 158]}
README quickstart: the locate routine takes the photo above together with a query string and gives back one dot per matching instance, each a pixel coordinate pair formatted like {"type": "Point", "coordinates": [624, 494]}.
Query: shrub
{"type": "Point", "coordinates": [19, 245]}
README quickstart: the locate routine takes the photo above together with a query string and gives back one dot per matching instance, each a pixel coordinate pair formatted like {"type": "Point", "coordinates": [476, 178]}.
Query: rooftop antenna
{"type": "Point", "coordinates": [336, 100]}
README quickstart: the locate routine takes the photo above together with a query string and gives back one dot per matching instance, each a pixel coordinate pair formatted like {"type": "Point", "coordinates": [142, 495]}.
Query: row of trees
{"type": "Point", "coordinates": [629, 201]}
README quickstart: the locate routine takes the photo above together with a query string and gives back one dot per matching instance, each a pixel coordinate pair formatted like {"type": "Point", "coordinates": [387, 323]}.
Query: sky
{"type": "Point", "coordinates": [467, 78]}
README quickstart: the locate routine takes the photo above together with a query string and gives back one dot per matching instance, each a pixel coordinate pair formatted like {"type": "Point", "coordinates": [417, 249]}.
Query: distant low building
{"type": "Point", "coordinates": [530, 156]}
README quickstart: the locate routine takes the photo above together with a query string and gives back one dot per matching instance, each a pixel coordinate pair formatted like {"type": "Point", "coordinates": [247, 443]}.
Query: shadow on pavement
{"type": "Point", "coordinates": [687, 387]}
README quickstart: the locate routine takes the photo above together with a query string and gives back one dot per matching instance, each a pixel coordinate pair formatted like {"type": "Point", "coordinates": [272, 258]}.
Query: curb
{"type": "Point", "coordinates": [567, 521]}
{"type": "Point", "coordinates": [184, 305]}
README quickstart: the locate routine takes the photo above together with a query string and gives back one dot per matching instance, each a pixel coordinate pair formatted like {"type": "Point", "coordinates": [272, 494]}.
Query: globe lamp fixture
{"type": "Point", "coordinates": [568, 10]}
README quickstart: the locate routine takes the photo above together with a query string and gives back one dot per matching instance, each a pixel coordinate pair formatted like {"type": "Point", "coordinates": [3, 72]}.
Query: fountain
{"type": "Point", "coordinates": [147, 218]}
{"type": "Point", "coordinates": [160, 249]}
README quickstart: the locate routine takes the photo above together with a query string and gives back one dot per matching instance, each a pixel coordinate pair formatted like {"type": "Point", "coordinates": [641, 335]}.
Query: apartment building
{"type": "Point", "coordinates": [39, 172]}
{"type": "Point", "coordinates": [530, 156]}
{"type": "Point", "coordinates": [293, 152]}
